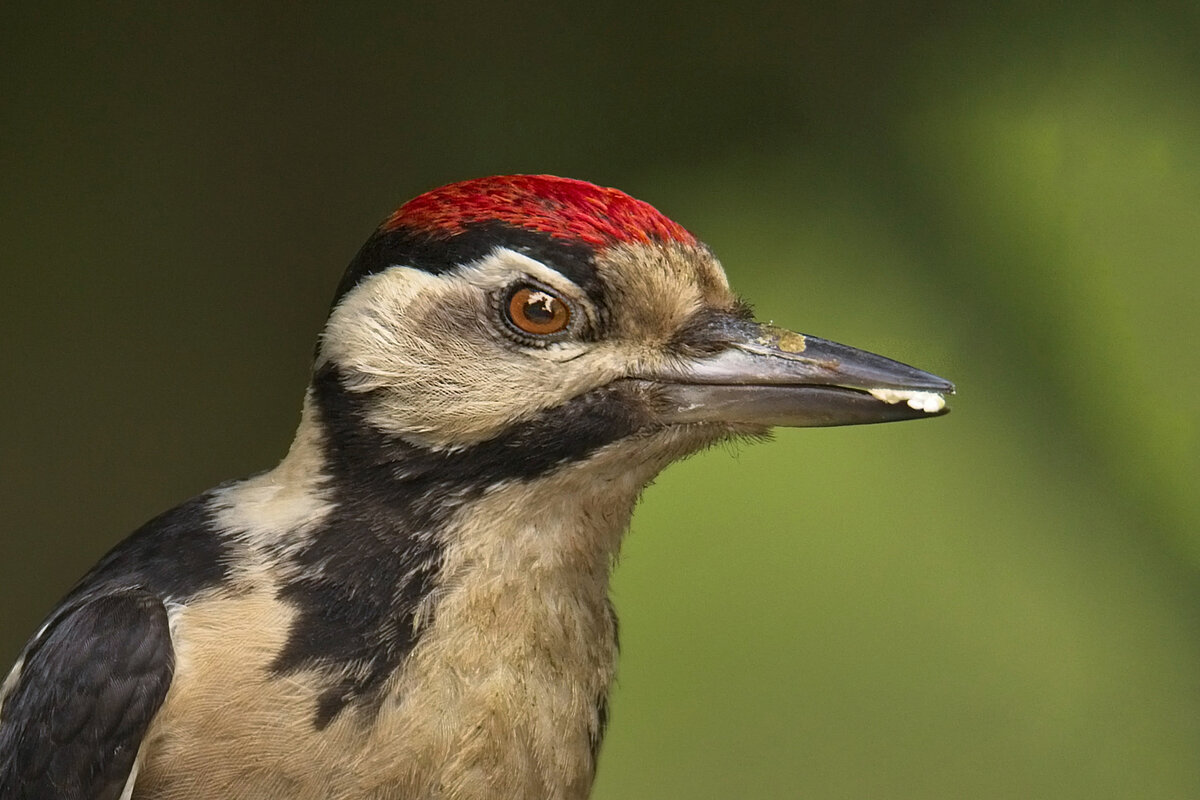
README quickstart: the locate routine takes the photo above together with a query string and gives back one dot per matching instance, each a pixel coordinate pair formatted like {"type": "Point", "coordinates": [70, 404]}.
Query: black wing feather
{"type": "Point", "coordinates": [71, 726]}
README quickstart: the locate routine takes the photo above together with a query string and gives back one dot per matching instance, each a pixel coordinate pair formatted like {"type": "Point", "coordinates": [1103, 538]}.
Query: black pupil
{"type": "Point", "coordinates": [540, 309]}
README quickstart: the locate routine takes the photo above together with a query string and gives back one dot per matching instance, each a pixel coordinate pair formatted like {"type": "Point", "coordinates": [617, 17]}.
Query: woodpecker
{"type": "Point", "coordinates": [414, 603]}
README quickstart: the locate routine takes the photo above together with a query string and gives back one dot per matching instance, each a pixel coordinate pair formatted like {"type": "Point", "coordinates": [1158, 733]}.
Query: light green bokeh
{"type": "Point", "coordinates": [999, 604]}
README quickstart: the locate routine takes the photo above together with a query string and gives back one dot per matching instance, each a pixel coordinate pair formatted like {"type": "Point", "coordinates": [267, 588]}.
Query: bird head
{"type": "Point", "coordinates": [552, 318]}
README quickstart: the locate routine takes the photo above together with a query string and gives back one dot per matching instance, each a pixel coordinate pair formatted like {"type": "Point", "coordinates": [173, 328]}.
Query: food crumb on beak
{"type": "Point", "coordinates": [785, 340]}
{"type": "Point", "coordinates": [929, 402]}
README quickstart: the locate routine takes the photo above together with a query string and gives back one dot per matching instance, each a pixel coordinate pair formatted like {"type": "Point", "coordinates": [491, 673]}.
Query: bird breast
{"type": "Point", "coordinates": [502, 696]}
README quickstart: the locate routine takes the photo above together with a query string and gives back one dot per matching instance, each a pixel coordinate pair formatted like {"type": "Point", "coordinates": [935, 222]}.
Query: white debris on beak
{"type": "Point", "coordinates": [929, 402]}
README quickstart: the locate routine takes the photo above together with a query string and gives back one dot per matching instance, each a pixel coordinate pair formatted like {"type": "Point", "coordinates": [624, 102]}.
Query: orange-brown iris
{"type": "Point", "coordinates": [538, 312]}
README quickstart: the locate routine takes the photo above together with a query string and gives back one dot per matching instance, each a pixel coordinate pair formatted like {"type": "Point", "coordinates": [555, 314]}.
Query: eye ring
{"type": "Point", "coordinates": [535, 311]}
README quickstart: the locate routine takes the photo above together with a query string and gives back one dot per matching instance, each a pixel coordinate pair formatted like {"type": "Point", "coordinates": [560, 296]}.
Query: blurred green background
{"type": "Point", "coordinates": [1002, 603]}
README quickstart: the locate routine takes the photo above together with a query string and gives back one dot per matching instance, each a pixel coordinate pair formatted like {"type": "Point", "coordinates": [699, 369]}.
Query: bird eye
{"type": "Point", "coordinates": [536, 311]}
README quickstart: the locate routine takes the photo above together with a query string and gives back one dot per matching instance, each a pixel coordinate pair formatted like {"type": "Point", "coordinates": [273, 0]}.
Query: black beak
{"type": "Point", "coordinates": [770, 376]}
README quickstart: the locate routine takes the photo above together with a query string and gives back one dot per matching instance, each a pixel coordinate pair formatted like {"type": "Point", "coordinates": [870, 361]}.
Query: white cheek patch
{"type": "Point", "coordinates": [929, 402]}
{"type": "Point", "coordinates": [360, 332]}
{"type": "Point", "coordinates": [433, 354]}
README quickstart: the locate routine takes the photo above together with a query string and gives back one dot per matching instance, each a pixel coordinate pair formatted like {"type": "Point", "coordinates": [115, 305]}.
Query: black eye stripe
{"type": "Point", "coordinates": [439, 254]}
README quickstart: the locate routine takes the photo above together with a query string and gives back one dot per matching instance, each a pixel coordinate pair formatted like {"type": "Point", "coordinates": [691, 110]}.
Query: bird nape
{"type": "Point", "coordinates": [414, 603]}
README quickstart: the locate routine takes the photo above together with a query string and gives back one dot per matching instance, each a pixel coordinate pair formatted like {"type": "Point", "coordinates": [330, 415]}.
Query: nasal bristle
{"type": "Point", "coordinates": [559, 207]}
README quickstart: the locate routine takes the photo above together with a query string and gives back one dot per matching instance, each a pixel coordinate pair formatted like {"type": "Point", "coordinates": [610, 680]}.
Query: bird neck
{"type": "Point", "coordinates": [500, 642]}
{"type": "Point", "coordinates": [512, 671]}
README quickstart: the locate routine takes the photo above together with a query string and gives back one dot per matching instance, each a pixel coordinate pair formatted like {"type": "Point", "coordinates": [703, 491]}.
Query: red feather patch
{"type": "Point", "coordinates": [558, 207]}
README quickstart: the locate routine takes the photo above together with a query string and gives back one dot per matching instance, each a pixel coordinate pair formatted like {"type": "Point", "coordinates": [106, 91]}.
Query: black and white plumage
{"type": "Point", "coordinates": [414, 603]}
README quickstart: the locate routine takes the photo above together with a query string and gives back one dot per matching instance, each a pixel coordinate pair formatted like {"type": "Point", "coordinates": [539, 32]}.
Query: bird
{"type": "Point", "coordinates": [413, 604]}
